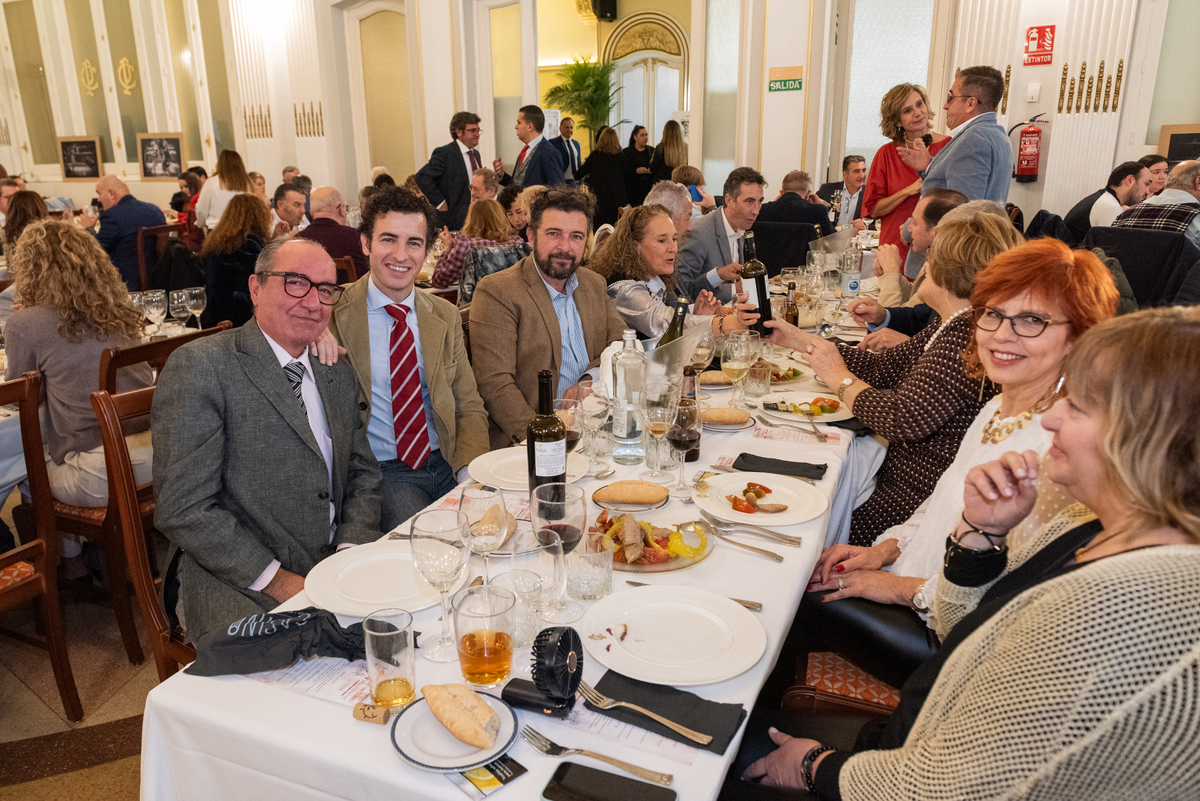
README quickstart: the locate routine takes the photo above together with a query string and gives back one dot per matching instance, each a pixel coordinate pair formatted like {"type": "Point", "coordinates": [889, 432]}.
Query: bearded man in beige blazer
{"type": "Point", "coordinates": [425, 420]}
{"type": "Point", "coordinates": [543, 313]}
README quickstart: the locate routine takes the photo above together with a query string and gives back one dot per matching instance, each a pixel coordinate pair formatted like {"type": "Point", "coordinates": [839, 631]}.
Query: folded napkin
{"type": "Point", "coordinates": [707, 717]}
{"type": "Point", "coordinates": [749, 463]}
{"type": "Point", "coordinates": [274, 641]}
{"type": "Point", "coordinates": [859, 428]}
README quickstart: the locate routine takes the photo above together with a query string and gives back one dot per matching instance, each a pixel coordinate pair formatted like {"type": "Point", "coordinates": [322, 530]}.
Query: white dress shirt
{"type": "Point", "coordinates": [846, 215]}
{"type": "Point", "coordinates": [571, 165]}
{"type": "Point", "coordinates": [276, 220]}
{"type": "Point", "coordinates": [734, 236]}
{"type": "Point", "coordinates": [466, 157]}
{"type": "Point", "coordinates": [1105, 209]}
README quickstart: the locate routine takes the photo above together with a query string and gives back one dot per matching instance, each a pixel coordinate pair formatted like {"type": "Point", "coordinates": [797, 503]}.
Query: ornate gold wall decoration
{"type": "Point", "coordinates": [1107, 90]}
{"type": "Point", "coordinates": [309, 121]}
{"type": "Point", "coordinates": [1062, 89]}
{"type": "Point", "coordinates": [647, 36]}
{"type": "Point", "coordinates": [87, 77]}
{"type": "Point", "coordinates": [1088, 106]}
{"type": "Point", "coordinates": [5, 136]}
{"type": "Point", "coordinates": [1071, 95]}
{"type": "Point", "coordinates": [584, 9]}
{"type": "Point", "coordinates": [258, 125]}
{"type": "Point", "coordinates": [1117, 87]}
{"type": "Point", "coordinates": [1079, 97]}
{"type": "Point", "coordinates": [1004, 100]}
{"type": "Point", "coordinates": [126, 76]}
{"type": "Point", "coordinates": [1099, 86]}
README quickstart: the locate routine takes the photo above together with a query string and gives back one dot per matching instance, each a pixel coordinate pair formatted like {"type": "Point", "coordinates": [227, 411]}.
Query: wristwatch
{"type": "Point", "coordinates": [918, 600]}
{"type": "Point", "coordinates": [842, 387]}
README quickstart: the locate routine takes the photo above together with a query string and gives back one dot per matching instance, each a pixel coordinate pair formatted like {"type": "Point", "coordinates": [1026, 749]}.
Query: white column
{"type": "Point", "coordinates": [783, 131]}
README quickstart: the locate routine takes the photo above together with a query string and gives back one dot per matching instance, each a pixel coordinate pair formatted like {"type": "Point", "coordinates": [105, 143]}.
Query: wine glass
{"type": "Point", "coordinates": [702, 356]}
{"type": "Point", "coordinates": [656, 405]}
{"type": "Point", "coordinates": [737, 354]}
{"type": "Point", "coordinates": [592, 411]}
{"type": "Point", "coordinates": [568, 411]}
{"type": "Point", "coordinates": [560, 511]}
{"type": "Point", "coordinates": [539, 570]}
{"type": "Point", "coordinates": [179, 307]}
{"type": "Point", "coordinates": [684, 435]}
{"type": "Point", "coordinates": [154, 303]}
{"type": "Point", "coordinates": [488, 529]}
{"type": "Point", "coordinates": [440, 552]}
{"type": "Point", "coordinates": [197, 300]}
{"type": "Point", "coordinates": [135, 300]}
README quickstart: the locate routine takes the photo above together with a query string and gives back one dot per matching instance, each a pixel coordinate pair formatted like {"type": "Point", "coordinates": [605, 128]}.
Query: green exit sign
{"type": "Point", "coordinates": [789, 85]}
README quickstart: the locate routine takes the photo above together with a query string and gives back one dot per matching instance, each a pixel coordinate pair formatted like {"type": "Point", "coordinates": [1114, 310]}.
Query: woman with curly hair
{"type": "Point", "coordinates": [260, 185]}
{"type": "Point", "coordinates": [893, 188]}
{"type": "Point", "coordinates": [638, 261]}
{"type": "Point", "coordinates": [229, 254]}
{"type": "Point", "coordinates": [75, 306]}
{"type": "Point", "coordinates": [486, 226]}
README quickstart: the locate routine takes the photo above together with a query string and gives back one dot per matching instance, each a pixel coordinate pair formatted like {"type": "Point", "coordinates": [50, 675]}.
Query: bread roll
{"type": "Point", "coordinates": [632, 492]}
{"type": "Point", "coordinates": [713, 378]}
{"type": "Point", "coordinates": [723, 417]}
{"type": "Point", "coordinates": [499, 518]}
{"type": "Point", "coordinates": [464, 714]}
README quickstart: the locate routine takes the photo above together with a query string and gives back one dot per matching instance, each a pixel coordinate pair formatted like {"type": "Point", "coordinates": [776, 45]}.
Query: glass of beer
{"type": "Point", "coordinates": [389, 644]}
{"type": "Point", "coordinates": [483, 623]}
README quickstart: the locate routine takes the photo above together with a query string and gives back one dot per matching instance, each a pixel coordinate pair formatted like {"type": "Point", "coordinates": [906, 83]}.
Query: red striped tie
{"type": "Point", "coordinates": [408, 410]}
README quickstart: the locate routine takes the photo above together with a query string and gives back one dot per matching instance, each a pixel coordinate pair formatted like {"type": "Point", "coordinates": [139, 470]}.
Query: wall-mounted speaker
{"type": "Point", "coordinates": [605, 10]}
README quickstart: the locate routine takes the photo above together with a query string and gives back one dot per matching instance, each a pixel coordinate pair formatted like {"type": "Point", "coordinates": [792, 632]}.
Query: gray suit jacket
{"type": "Point", "coordinates": [976, 162]}
{"type": "Point", "coordinates": [704, 248]}
{"type": "Point", "coordinates": [239, 478]}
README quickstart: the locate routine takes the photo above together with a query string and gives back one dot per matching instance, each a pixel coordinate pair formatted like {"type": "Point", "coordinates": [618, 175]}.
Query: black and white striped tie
{"type": "Point", "coordinates": [295, 374]}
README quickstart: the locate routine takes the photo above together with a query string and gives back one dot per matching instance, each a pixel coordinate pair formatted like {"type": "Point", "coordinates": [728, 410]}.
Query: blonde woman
{"type": "Point", "coordinates": [670, 153]}
{"type": "Point", "coordinates": [260, 185]}
{"type": "Point", "coordinates": [74, 306]}
{"type": "Point", "coordinates": [486, 226]}
{"type": "Point", "coordinates": [215, 195]}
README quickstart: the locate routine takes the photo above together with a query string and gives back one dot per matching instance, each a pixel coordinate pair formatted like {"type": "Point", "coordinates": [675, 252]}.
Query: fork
{"type": "Point", "coordinates": [766, 533]}
{"type": "Point", "coordinates": [593, 697]}
{"type": "Point", "coordinates": [820, 437]}
{"type": "Point", "coordinates": [550, 748]}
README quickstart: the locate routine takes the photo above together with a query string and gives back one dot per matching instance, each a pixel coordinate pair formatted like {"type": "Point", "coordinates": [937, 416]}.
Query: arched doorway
{"type": "Point", "coordinates": [651, 54]}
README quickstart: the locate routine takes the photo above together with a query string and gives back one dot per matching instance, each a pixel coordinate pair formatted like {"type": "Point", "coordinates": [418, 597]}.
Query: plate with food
{"type": "Point", "coordinates": [682, 636]}
{"type": "Point", "coordinates": [713, 380]}
{"type": "Point", "coordinates": [790, 405]}
{"type": "Point", "coordinates": [642, 547]}
{"type": "Point", "coordinates": [721, 418]}
{"type": "Point", "coordinates": [784, 374]}
{"type": "Point", "coordinates": [452, 728]}
{"type": "Point", "coordinates": [764, 499]}
{"type": "Point", "coordinates": [508, 468]}
{"type": "Point", "coordinates": [631, 496]}
{"type": "Point", "coordinates": [357, 581]}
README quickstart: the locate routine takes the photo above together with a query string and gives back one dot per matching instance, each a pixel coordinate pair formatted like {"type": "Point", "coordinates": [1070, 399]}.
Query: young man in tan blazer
{"type": "Point", "coordinates": [425, 420]}
{"type": "Point", "coordinates": [543, 313]}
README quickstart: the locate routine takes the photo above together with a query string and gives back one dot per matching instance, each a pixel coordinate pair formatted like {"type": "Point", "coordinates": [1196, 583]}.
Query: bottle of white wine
{"type": "Point", "coordinates": [755, 270]}
{"type": "Point", "coordinates": [675, 329]}
{"type": "Point", "coordinates": [546, 438]}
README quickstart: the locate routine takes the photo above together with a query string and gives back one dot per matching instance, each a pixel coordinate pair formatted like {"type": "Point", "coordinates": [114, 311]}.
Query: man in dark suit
{"type": "Point", "coordinates": [261, 461]}
{"type": "Point", "coordinates": [537, 164]}
{"type": "Point", "coordinates": [329, 229]}
{"type": "Point", "coordinates": [710, 256]}
{"type": "Point", "coordinates": [854, 176]}
{"type": "Point", "coordinates": [446, 179]}
{"type": "Point", "coordinates": [120, 220]}
{"type": "Point", "coordinates": [791, 205]}
{"type": "Point", "coordinates": [568, 148]}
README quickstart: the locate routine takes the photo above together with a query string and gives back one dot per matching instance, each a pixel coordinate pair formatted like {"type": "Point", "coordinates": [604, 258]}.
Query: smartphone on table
{"type": "Point", "coordinates": [575, 782]}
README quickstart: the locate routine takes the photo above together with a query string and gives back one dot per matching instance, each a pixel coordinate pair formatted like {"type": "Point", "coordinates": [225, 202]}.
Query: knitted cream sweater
{"type": "Point", "coordinates": [1084, 687]}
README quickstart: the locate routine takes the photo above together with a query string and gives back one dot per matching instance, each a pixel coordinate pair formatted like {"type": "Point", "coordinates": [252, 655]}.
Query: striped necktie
{"type": "Point", "coordinates": [295, 374]}
{"type": "Point", "coordinates": [408, 410]}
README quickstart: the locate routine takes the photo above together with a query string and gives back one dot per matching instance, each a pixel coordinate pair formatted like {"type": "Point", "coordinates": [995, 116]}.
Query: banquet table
{"type": "Point", "coordinates": [233, 737]}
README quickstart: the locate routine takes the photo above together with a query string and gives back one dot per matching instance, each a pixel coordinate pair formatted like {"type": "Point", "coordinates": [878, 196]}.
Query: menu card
{"type": "Point", "coordinates": [482, 782]}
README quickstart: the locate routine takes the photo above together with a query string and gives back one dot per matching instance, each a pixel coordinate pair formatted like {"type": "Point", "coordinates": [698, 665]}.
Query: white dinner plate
{"type": "Point", "coordinates": [804, 501]}
{"type": "Point", "coordinates": [843, 412]}
{"type": "Point", "coordinates": [680, 636]}
{"type": "Point", "coordinates": [724, 428]}
{"type": "Point", "coordinates": [380, 575]}
{"type": "Point", "coordinates": [426, 744]}
{"type": "Point", "coordinates": [508, 468]}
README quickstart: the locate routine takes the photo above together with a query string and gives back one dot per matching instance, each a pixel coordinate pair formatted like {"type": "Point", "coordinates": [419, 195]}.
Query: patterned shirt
{"type": "Point", "coordinates": [449, 264]}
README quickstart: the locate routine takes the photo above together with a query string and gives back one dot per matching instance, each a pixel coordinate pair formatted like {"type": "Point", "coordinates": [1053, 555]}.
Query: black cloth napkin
{"type": "Point", "coordinates": [748, 462]}
{"type": "Point", "coordinates": [854, 425]}
{"type": "Point", "coordinates": [274, 641]}
{"type": "Point", "coordinates": [707, 717]}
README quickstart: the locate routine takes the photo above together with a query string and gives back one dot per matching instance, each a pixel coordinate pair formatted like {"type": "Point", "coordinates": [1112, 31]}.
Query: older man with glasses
{"type": "Point", "coordinates": [262, 465]}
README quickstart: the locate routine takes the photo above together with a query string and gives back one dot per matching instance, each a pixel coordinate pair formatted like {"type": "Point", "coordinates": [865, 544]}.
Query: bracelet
{"type": "Point", "coordinates": [806, 765]}
{"type": "Point", "coordinates": [721, 325]}
{"type": "Point", "coordinates": [995, 540]}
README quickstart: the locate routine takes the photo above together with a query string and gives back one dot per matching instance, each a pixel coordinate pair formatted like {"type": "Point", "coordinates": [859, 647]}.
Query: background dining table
{"type": "Point", "coordinates": [233, 737]}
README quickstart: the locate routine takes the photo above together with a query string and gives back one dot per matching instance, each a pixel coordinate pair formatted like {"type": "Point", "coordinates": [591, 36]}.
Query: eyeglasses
{"type": "Point", "coordinates": [298, 286]}
{"type": "Point", "coordinates": [950, 96]}
{"type": "Point", "coordinates": [1025, 324]}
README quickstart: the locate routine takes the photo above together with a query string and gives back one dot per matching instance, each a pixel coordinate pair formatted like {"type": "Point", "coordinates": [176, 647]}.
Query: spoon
{"type": "Point", "coordinates": [605, 473]}
{"type": "Point", "coordinates": [825, 331]}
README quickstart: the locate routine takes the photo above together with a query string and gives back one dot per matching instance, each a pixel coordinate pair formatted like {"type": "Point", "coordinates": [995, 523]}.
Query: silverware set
{"type": "Point", "coordinates": [550, 748]}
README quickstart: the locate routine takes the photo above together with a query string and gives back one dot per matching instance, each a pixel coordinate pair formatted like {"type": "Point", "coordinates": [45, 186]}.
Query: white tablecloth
{"type": "Point", "coordinates": [235, 738]}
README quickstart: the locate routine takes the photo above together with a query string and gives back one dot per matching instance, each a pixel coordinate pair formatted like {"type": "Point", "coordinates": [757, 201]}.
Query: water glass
{"type": "Point", "coordinates": [592, 409]}
{"type": "Point", "coordinates": [522, 584]}
{"type": "Point", "coordinates": [488, 529]}
{"type": "Point", "coordinates": [179, 306]}
{"type": "Point", "coordinates": [757, 382]}
{"type": "Point", "coordinates": [589, 571]}
{"type": "Point", "coordinates": [154, 303]}
{"type": "Point", "coordinates": [483, 623]}
{"type": "Point", "coordinates": [388, 637]}
{"type": "Point", "coordinates": [656, 405]}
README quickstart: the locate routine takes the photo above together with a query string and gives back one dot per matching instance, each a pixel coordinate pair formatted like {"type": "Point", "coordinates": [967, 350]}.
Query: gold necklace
{"type": "Point", "coordinates": [995, 432]}
{"type": "Point", "coordinates": [1079, 552]}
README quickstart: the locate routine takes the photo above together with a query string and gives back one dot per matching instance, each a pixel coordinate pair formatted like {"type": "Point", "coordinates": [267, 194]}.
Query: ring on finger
{"type": "Point", "coordinates": [841, 584]}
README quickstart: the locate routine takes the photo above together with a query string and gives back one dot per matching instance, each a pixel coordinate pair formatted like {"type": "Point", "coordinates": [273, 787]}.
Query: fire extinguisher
{"type": "Point", "coordinates": [1029, 152]}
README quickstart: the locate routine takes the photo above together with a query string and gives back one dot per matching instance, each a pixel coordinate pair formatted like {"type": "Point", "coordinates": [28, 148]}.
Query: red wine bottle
{"type": "Point", "coordinates": [546, 438]}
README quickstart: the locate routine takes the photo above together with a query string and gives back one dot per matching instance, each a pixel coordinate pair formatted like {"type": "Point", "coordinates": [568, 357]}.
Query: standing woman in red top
{"type": "Point", "coordinates": [893, 187]}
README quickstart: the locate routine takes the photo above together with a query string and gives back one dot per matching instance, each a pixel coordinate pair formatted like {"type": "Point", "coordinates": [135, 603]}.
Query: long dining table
{"type": "Point", "coordinates": [233, 737]}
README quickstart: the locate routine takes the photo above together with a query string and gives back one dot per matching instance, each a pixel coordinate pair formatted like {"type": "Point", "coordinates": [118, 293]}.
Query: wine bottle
{"type": "Point", "coordinates": [546, 438]}
{"type": "Point", "coordinates": [757, 271]}
{"type": "Point", "coordinates": [791, 312]}
{"type": "Point", "coordinates": [675, 329]}
{"type": "Point", "coordinates": [689, 382]}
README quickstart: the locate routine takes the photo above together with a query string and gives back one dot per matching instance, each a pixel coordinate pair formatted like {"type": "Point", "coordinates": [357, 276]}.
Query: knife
{"type": "Point", "coordinates": [753, 606]}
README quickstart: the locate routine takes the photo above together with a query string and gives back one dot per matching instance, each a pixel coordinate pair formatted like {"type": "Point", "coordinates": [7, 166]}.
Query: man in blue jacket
{"type": "Point", "coordinates": [120, 220]}
{"type": "Point", "coordinates": [538, 164]}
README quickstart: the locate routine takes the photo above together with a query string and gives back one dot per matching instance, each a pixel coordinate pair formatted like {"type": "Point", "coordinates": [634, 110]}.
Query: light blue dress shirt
{"type": "Point", "coordinates": [381, 433]}
{"type": "Point", "coordinates": [574, 348]}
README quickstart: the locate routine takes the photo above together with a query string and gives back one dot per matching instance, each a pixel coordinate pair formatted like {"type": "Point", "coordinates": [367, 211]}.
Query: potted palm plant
{"type": "Point", "coordinates": [585, 92]}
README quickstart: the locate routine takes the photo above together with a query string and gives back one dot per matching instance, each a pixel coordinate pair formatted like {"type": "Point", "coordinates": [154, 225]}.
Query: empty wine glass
{"type": "Point", "coordinates": [684, 435]}
{"type": "Point", "coordinates": [656, 405]}
{"type": "Point", "coordinates": [592, 411]}
{"type": "Point", "coordinates": [179, 307]}
{"type": "Point", "coordinates": [488, 528]}
{"type": "Point", "coordinates": [539, 570]}
{"type": "Point", "coordinates": [440, 552]}
{"type": "Point", "coordinates": [197, 300]}
{"type": "Point", "coordinates": [154, 303]}
{"type": "Point", "coordinates": [135, 300]}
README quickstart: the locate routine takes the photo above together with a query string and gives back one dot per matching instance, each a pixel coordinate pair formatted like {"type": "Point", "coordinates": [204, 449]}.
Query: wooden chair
{"type": "Point", "coordinates": [161, 235]}
{"type": "Point", "coordinates": [465, 314]}
{"type": "Point", "coordinates": [30, 571]}
{"type": "Point", "coordinates": [166, 642]}
{"type": "Point", "coordinates": [448, 294]}
{"type": "Point", "coordinates": [346, 274]}
{"type": "Point", "coordinates": [155, 353]}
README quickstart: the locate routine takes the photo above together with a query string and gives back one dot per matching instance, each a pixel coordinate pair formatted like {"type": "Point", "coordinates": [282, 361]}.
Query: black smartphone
{"type": "Point", "coordinates": [575, 782]}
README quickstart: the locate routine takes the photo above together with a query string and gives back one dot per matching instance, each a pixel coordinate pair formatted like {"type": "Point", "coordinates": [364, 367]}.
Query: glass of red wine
{"type": "Point", "coordinates": [559, 512]}
{"type": "Point", "coordinates": [568, 411]}
{"type": "Point", "coordinates": [684, 434]}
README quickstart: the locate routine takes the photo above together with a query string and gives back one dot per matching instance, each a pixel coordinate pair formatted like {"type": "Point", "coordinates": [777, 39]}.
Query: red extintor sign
{"type": "Point", "coordinates": [1039, 45]}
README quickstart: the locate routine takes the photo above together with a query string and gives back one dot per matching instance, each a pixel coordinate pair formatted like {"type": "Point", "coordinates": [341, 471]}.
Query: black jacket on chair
{"type": "Point", "coordinates": [1163, 267]}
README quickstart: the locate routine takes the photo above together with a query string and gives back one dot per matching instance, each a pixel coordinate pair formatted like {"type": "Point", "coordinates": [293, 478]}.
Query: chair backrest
{"type": "Point", "coordinates": [780, 245]}
{"type": "Point", "coordinates": [110, 411]}
{"type": "Point", "coordinates": [160, 235]}
{"type": "Point", "coordinates": [481, 261]}
{"type": "Point", "coordinates": [345, 270]}
{"type": "Point", "coordinates": [37, 476]}
{"type": "Point", "coordinates": [465, 314]}
{"type": "Point", "coordinates": [1160, 265]}
{"type": "Point", "coordinates": [156, 353]}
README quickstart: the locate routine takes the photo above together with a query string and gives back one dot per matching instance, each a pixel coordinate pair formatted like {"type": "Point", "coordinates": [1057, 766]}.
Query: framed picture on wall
{"type": "Point", "coordinates": [1179, 143]}
{"type": "Point", "coordinates": [79, 157]}
{"type": "Point", "coordinates": [160, 156]}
